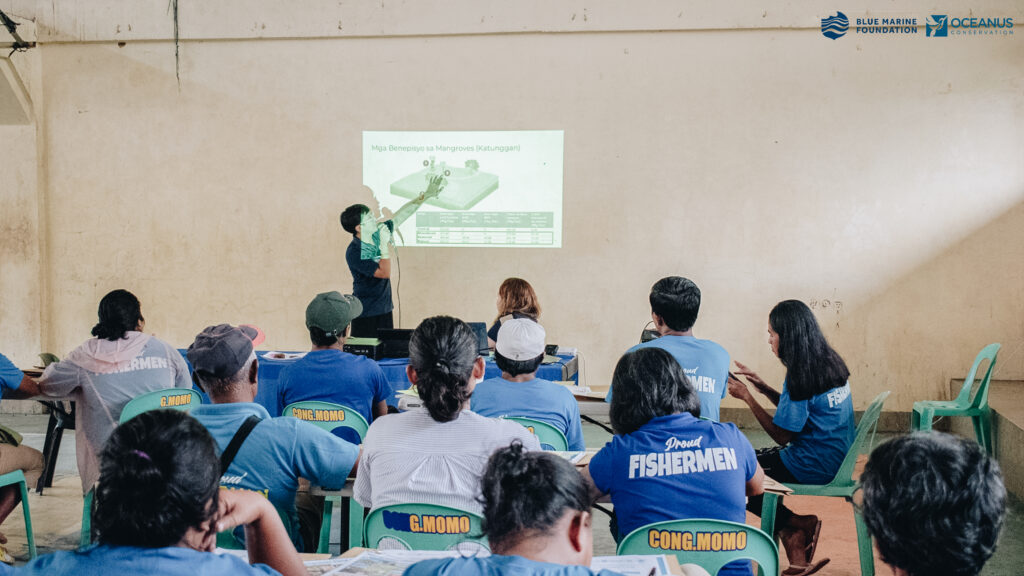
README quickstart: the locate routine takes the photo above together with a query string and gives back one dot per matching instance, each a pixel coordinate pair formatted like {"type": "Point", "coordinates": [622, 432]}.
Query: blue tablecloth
{"type": "Point", "coordinates": [394, 371]}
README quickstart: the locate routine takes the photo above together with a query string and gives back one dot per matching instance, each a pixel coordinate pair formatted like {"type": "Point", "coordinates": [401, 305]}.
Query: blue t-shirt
{"type": "Point", "coordinates": [537, 399]}
{"type": "Point", "coordinates": [705, 363]}
{"type": "Point", "coordinates": [674, 468]}
{"type": "Point", "coordinates": [496, 565]}
{"type": "Point", "coordinates": [374, 293]}
{"type": "Point", "coordinates": [277, 452]}
{"type": "Point", "coordinates": [10, 375]}
{"type": "Point", "coordinates": [824, 431]}
{"type": "Point", "coordinates": [171, 561]}
{"type": "Point", "coordinates": [334, 376]}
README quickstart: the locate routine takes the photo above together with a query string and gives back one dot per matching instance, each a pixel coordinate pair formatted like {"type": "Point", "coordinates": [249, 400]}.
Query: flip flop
{"type": "Point", "coordinates": [806, 570]}
{"type": "Point", "coordinates": [812, 546]}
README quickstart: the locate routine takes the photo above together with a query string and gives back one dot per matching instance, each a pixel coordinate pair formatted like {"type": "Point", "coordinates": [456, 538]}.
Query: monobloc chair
{"type": "Point", "coordinates": [331, 417]}
{"type": "Point", "coordinates": [551, 438]}
{"type": "Point", "coordinates": [18, 477]}
{"type": "Point", "coordinates": [707, 543]}
{"type": "Point", "coordinates": [841, 486]}
{"type": "Point", "coordinates": [976, 408]}
{"type": "Point", "coordinates": [424, 527]}
{"type": "Point", "coordinates": [174, 398]}
{"type": "Point", "coordinates": [183, 399]}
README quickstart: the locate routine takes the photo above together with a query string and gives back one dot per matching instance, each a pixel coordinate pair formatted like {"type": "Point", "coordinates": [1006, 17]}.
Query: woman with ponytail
{"type": "Point", "coordinates": [437, 453]}
{"type": "Point", "coordinates": [813, 424]}
{"type": "Point", "coordinates": [159, 507]}
{"type": "Point", "coordinates": [664, 462]}
{"type": "Point", "coordinates": [103, 374]}
{"type": "Point", "coordinates": [536, 519]}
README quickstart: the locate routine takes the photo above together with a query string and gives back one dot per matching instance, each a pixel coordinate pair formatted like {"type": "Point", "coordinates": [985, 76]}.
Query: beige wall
{"type": "Point", "coordinates": [739, 148]}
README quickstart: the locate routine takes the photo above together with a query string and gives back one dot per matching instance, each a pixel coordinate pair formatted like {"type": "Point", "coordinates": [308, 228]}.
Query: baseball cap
{"type": "Point", "coordinates": [332, 312]}
{"type": "Point", "coordinates": [520, 339]}
{"type": "Point", "coordinates": [222, 350]}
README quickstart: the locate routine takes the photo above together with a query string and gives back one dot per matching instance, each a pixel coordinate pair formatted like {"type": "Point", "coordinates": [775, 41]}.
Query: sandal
{"type": "Point", "coordinates": [812, 546]}
{"type": "Point", "coordinates": [5, 556]}
{"type": "Point", "coordinates": [805, 570]}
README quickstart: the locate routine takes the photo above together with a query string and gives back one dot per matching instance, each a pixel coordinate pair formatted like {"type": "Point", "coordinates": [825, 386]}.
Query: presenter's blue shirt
{"type": "Point", "coordinates": [10, 375]}
{"type": "Point", "coordinates": [824, 431]}
{"type": "Point", "coordinates": [373, 293]}
{"type": "Point", "coordinates": [538, 399]}
{"type": "Point", "coordinates": [334, 376]}
{"type": "Point", "coordinates": [108, 560]}
{"type": "Point", "coordinates": [276, 454]}
{"type": "Point", "coordinates": [496, 565]}
{"type": "Point", "coordinates": [705, 363]}
{"type": "Point", "coordinates": [677, 467]}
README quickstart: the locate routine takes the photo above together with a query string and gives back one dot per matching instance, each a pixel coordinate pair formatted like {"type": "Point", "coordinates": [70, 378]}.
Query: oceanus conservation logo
{"type": "Point", "coordinates": [937, 26]}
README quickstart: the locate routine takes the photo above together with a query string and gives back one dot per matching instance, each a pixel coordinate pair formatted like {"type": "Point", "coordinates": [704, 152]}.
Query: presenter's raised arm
{"type": "Point", "coordinates": [410, 207]}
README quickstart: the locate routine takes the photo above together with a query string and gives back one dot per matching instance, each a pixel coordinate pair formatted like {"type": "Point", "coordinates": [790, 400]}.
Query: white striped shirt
{"type": "Point", "coordinates": [411, 458]}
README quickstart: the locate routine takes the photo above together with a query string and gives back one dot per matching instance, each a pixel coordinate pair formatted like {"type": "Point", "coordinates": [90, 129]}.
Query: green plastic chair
{"type": "Point", "coordinates": [18, 477]}
{"type": "Point", "coordinates": [48, 358]}
{"type": "Point", "coordinates": [841, 486]}
{"type": "Point", "coordinates": [173, 398]}
{"type": "Point", "coordinates": [170, 398]}
{"type": "Point", "coordinates": [976, 408]}
{"type": "Point", "coordinates": [707, 543]}
{"type": "Point", "coordinates": [551, 438]}
{"type": "Point", "coordinates": [329, 416]}
{"type": "Point", "coordinates": [424, 527]}
{"type": "Point", "coordinates": [86, 536]}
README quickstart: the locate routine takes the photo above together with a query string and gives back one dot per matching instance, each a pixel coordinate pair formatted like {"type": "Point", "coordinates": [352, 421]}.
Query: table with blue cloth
{"type": "Point", "coordinates": [394, 370]}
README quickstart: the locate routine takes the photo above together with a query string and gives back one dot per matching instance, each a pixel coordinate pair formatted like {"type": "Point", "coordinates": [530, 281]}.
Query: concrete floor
{"type": "Point", "coordinates": [56, 515]}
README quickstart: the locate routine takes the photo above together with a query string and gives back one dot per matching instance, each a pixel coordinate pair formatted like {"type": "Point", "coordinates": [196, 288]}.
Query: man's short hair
{"type": "Point", "coordinates": [517, 367]}
{"type": "Point", "coordinates": [352, 216]}
{"type": "Point", "coordinates": [934, 503]}
{"type": "Point", "coordinates": [676, 300]}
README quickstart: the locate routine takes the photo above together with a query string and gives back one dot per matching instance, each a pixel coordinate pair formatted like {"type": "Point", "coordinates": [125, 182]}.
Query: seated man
{"type": "Point", "coordinates": [276, 452]}
{"type": "Point", "coordinates": [675, 302]}
{"type": "Point", "coordinates": [518, 392]}
{"type": "Point", "coordinates": [328, 373]}
{"type": "Point", "coordinates": [934, 503]}
{"type": "Point", "coordinates": [15, 384]}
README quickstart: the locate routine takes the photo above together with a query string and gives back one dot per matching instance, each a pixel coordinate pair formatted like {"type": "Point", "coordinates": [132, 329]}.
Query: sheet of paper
{"type": "Point", "coordinates": [653, 565]}
{"type": "Point", "coordinates": [772, 485]}
{"type": "Point", "coordinates": [374, 563]}
{"type": "Point", "coordinates": [573, 456]}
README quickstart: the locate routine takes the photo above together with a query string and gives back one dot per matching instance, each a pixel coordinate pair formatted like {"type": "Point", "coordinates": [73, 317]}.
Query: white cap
{"type": "Point", "coordinates": [520, 339]}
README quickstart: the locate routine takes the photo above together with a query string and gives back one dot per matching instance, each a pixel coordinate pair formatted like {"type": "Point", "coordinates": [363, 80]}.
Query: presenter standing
{"type": "Point", "coordinates": [369, 259]}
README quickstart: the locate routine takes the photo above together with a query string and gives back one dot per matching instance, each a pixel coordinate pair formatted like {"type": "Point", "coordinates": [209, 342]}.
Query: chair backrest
{"type": "Point", "coordinates": [868, 424]}
{"type": "Point", "coordinates": [183, 399]}
{"type": "Point", "coordinates": [709, 544]}
{"type": "Point", "coordinates": [48, 358]}
{"type": "Point", "coordinates": [551, 438]}
{"type": "Point", "coordinates": [328, 416]}
{"type": "Point", "coordinates": [981, 396]}
{"type": "Point", "coordinates": [424, 527]}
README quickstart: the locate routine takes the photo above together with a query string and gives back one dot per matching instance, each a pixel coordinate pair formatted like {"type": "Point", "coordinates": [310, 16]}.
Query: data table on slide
{"type": "Point", "coordinates": [489, 228]}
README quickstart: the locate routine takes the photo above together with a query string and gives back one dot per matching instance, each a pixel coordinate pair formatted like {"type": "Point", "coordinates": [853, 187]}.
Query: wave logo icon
{"type": "Point", "coordinates": [835, 26]}
{"type": "Point", "coordinates": [937, 26]}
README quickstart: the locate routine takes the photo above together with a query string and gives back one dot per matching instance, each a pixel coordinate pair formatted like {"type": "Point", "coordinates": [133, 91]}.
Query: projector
{"type": "Point", "coordinates": [369, 347]}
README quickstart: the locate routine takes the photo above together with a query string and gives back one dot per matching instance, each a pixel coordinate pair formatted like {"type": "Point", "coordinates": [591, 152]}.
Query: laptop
{"type": "Point", "coordinates": [394, 342]}
{"type": "Point", "coordinates": [480, 329]}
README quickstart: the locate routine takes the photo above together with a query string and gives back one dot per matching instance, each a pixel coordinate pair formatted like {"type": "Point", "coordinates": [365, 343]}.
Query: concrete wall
{"type": "Point", "coordinates": [879, 178]}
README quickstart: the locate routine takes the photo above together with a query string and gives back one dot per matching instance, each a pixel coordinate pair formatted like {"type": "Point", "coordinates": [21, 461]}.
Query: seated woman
{"type": "Point", "coordinates": [664, 462]}
{"type": "Point", "coordinates": [536, 518]}
{"type": "Point", "coordinates": [15, 384]}
{"type": "Point", "coordinates": [813, 423]}
{"type": "Point", "coordinates": [516, 299]}
{"type": "Point", "coordinates": [104, 373]}
{"type": "Point", "coordinates": [159, 507]}
{"type": "Point", "coordinates": [435, 454]}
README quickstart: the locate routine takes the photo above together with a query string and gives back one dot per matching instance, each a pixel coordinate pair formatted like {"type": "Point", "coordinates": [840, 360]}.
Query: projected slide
{"type": "Point", "coordinates": [499, 188]}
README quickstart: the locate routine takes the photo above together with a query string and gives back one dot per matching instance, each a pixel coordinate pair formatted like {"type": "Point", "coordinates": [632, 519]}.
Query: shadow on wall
{"type": "Point", "coordinates": [926, 327]}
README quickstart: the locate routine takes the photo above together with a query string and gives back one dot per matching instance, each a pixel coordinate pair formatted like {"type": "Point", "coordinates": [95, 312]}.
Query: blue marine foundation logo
{"type": "Point", "coordinates": [937, 26]}
{"type": "Point", "coordinates": [835, 26]}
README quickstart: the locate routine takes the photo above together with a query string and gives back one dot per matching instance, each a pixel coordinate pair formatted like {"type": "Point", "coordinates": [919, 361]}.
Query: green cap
{"type": "Point", "coordinates": [332, 312]}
